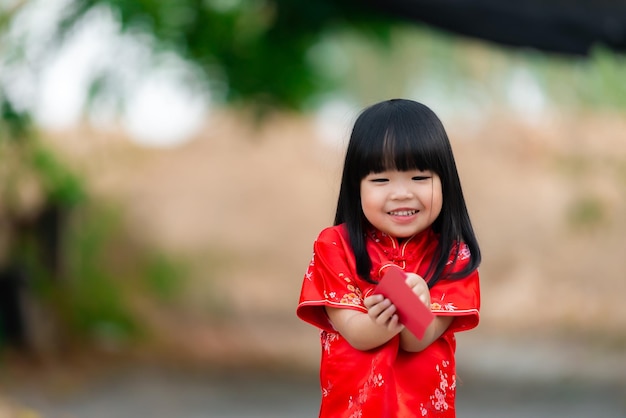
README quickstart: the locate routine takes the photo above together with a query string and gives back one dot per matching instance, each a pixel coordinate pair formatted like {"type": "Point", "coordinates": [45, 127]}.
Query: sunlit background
{"type": "Point", "coordinates": [166, 166]}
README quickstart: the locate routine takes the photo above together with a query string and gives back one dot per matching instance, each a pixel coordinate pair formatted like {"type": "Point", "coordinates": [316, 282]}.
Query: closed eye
{"type": "Point", "coordinates": [419, 178]}
{"type": "Point", "coordinates": [379, 180]}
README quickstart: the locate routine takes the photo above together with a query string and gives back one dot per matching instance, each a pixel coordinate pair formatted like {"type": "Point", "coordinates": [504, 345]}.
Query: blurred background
{"type": "Point", "coordinates": [165, 167]}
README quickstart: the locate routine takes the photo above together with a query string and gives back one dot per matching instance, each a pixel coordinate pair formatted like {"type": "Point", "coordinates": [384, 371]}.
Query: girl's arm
{"type": "Point", "coordinates": [440, 324]}
{"type": "Point", "coordinates": [365, 331]}
{"type": "Point", "coordinates": [409, 342]}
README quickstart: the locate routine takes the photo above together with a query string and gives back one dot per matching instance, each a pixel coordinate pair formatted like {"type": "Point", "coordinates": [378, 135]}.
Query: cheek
{"type": "Point", "coordinates": [437, 206]}
{"type": "Point", "coordinates": [437, 199]}
{"type": "Point", "coordinates": [367, 195]}
{"type": "Point", "coordinates": [366, 203]}
{"type": "Point", "coordinates": [370, 203]}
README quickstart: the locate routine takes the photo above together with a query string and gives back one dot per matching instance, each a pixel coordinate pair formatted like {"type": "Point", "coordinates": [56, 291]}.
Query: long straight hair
{"type": "Point", "coordinates": [405, 135]}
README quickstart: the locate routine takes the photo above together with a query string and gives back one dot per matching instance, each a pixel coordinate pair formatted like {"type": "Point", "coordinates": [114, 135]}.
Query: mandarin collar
{"type": "Point", "coordinates": [403, 254]}
{"type": "Point", "coordinates": [386, 241]}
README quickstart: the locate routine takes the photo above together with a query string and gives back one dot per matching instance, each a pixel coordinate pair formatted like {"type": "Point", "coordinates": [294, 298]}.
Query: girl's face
{"type": "Point", "coordinates": [401, 203]}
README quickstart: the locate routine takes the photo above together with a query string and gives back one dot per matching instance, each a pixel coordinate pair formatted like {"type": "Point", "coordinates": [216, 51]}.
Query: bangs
{"type": "Point", "coordinates": [397, 135]}
{"type": "Point", "coordinates": [401, 150]}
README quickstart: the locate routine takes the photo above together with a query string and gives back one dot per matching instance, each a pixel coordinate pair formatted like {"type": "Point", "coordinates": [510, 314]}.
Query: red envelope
{"type": "Point", "coordinates": [411, 311]}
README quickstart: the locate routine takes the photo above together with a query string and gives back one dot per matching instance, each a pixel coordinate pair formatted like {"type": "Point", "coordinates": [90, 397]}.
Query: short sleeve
{"type": "Point", "coordinates": [459, 297]}
{"type": "Point", "coordinates": [330, 280]}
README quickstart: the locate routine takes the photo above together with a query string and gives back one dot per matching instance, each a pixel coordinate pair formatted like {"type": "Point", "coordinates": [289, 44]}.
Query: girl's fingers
{"type": "Point", "coordinates": [419, 287]}
{"type": "Point", "coordinates": [378, 309]}
{"type": "Point", "coordinates": [372, 300]}
{"type": "Point", "coordinates": [383, 312]}
{"type": "Point", "coordinates": [394, 324]}
{"type": "Point", "coordinates": [413, 279]}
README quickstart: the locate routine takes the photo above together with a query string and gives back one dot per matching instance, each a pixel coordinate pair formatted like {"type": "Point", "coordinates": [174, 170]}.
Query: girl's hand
{"type": "Point", "coordinates": [383, 313]}
{"type": "Point", "coordinates": [420, 288]}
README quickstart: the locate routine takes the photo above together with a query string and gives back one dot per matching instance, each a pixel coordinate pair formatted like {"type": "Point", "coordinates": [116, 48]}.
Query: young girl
{"type": "Point", "coordinates": [400, 204]}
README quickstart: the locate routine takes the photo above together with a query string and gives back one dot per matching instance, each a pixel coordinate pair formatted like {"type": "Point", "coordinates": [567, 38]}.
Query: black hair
{"type": "Point", "coordinates": [404, 135]}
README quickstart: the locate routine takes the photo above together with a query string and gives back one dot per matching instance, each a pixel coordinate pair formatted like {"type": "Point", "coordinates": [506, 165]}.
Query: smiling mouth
{"type": "Point", "coordinates": [403, 212]}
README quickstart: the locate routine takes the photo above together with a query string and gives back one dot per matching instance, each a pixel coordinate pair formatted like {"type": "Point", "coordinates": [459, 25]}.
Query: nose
{"type": "Point", "coordinates": [401, 191]}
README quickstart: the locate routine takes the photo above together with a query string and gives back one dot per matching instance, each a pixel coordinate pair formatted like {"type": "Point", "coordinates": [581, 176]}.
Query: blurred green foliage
{"type": "Point", "coordinates": [163, 277]}
{"type": "Point", "coordinates": [286, 54]}
{"type": "Point", "coordinates": [64, 245]}
{"type": "Point", "coordinates": [592, 83]}
{"type": "Point", "coordinates": [426, 62]}
{"type": "Point", "coordinates": [15, 124]}
{"type": "Point", "coordinates": [93, 298]}
{"type": "Point", "coordinates": [256, 52]}
{"type": "Point", "coordinates": [587, 213]}
{"type": "Point", "coordinates": [25, 157]}
{"type": "Point", "coordinates": [60, 264]}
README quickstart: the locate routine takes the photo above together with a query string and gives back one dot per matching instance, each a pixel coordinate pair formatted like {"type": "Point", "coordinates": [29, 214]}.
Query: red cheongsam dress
{"type": "Point", "coordinates": [386, 381]}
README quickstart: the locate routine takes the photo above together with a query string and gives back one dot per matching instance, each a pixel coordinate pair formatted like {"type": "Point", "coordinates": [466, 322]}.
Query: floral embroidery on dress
{"type": "Point", "coordinates": [375, 380]}
{"type": "Point", "coordinates": [326, 389]}
{"type": "Point", "coordinates": [353, 295]}
{"type": "Point", "coordinates": [441, 306]}
{"type": "Point", "coordinates": [309, 271]}
{"type": "Point", "coordinates": [327, 339]}
{"type": "Point", "coordinates": [439, 399]}
{"type": "Point", "coordinates": [463, 254]}
{"type": "Point", "coordinates": [435, 306]}
{"type": "Point", "coordinates": [352, 298]}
